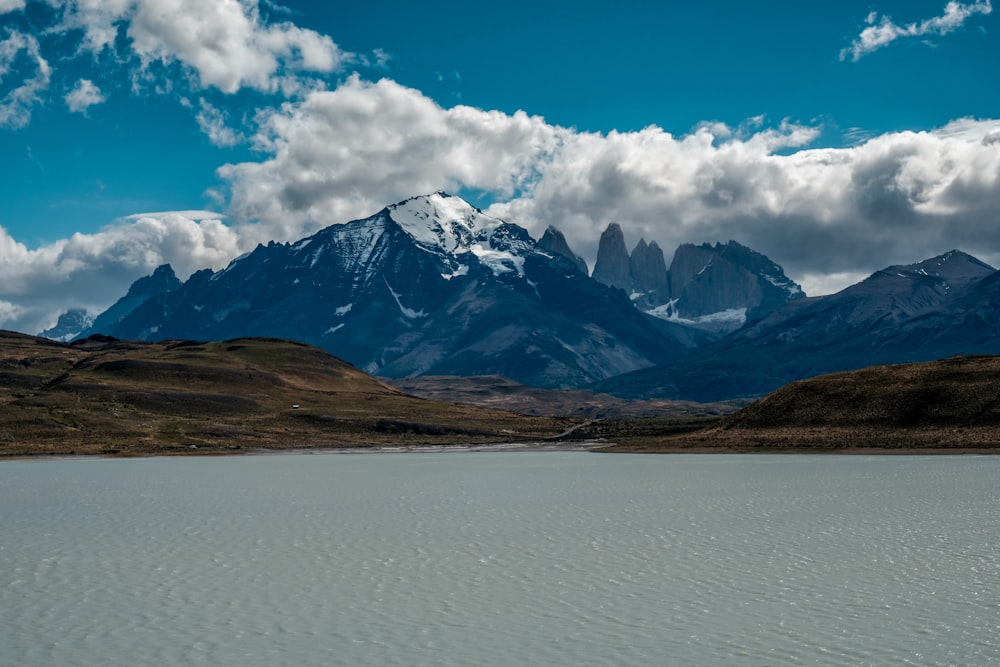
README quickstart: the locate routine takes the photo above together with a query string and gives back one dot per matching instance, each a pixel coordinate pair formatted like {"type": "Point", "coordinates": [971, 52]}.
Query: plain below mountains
{"type": "Point", "coordinates": [111, 397]}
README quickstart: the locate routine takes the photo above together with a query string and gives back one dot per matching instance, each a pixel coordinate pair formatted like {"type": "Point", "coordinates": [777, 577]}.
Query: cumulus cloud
{"type": "Point", "coordinates": [880, 33]}
{"type": "Point", "coordinates": [10, 5]}
{"type": "Point", "coordinates": [828, 215]}
{"type": "Point", "coordinates": [897, 198]}
{"type": "Point", "coordinates": [93, 270]}
{"type": "Point", "coordinates": [350, 151]}
{"type": "Point", "coordinates": [83, 96]}
{"type": "Point", "coordinates": [820, 212]}
{"type": "Point", "coordinates": [17, 104]}
{"type": "Point", "coordinates": [223, 44]}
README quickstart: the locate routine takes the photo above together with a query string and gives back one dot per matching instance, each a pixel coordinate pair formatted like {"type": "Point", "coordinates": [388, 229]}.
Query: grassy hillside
{"type": "Point", "coordinates": [947, 405]}
{"type": "Point", "coordinates": [121, 397]}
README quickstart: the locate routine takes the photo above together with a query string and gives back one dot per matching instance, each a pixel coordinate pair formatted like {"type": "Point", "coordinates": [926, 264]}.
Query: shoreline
{"type": "Point", "coordinates": [583, 446]}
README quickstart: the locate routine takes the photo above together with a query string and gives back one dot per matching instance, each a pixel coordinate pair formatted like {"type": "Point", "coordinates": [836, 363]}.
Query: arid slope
{"type": "Point", "coordinates": [947, 405]}
{"type": "Point", "coordinates": [104, 396]}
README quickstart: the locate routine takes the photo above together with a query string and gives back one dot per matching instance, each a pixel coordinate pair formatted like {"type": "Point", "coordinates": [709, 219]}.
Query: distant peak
{"type": "Point", "coordinates": [554, 240]}
{"type": "Point", "coordinates": [164, 270]}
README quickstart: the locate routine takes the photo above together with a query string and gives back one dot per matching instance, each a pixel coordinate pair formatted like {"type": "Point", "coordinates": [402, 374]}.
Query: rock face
{"type": "Point", "coordinates": [69, 325]}
{"type": "Point", "coordinates": [714, 287]}
{"type": "Point", "coordinates": [428, 286]}
{"type": "Point", "coordinates": [612, 266]}
{"type": "Point", "coordinates": [941, 307]}
{"type": "Point", "coordinates": [649, 272]}
{"type": "Point", "coordinates": [711, 279]}
{"type": "Point", "coordinates": [553, 240]}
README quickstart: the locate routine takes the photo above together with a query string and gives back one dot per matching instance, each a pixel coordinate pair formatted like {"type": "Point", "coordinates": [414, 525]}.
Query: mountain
{"type": "Point", "coordinates": [69, 325]}
{"type": "Point", "coordinates": [726, 282]}
{"type": "Point", "coordinates": [428, 286]}
{"type": "Point", "coordinates": [714, 287]}
{"type": "Point", "coordinates": [649, 272]}
{"type": "Point", "coordinates": [162, 280]}
{"type": "Point", "coordinates": [612, 266]}
{"type": "Point", "coordinates": [940, 307]}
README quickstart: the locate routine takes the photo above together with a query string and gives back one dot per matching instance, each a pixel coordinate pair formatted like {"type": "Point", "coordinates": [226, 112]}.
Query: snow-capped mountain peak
{"type": "Point", "coordinates": [450, 226]}
{"type": "Point", "coordinates": [443, 222]}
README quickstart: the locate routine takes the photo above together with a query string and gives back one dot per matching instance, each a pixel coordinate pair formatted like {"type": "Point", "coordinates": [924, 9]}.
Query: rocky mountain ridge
{"type": "Point", "coordinates": [714, 287]}
{"type": "Point", "coordinates": [430, 285]}
{"type": "Point", "coordinates": [433, 286]}
{"type": "Point", "coordinates": [940, 307]}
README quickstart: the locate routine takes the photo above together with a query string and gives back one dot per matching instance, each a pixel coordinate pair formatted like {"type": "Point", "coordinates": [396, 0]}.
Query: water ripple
{"type": "Point", "coordinates": [501, 559]}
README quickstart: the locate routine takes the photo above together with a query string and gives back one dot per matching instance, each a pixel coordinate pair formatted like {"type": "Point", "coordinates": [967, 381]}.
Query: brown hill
{"type": "Point", "coordinates": [106, 396]}
{"type": "Point", "coordinates": [947, 405]}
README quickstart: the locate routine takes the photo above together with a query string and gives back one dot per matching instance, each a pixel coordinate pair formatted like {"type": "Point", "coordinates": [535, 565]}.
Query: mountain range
{"type": "Point", "coordinates": [427, 286]}
{"type": "Point", "coordinates": [432, 286]}
{"type": "Point", "coordinates": [717, 287]}
{"type": "Point", "coordinates": [940, 307]}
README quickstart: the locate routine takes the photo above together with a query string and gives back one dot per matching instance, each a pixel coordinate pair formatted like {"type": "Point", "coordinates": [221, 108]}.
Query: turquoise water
{"type": "Point", "coordinates": [522, 558]}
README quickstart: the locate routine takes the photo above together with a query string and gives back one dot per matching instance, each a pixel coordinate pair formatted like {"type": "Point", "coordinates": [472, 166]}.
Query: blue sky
{"type": "Point", "coordinates": [835, 137]}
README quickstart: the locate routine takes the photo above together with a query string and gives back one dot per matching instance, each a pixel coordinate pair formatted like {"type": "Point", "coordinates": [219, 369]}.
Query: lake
{"type": "Point", "coordinates": [515, 558]}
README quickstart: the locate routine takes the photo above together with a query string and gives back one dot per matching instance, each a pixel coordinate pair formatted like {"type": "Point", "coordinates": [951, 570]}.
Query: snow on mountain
{"type": "Point", "coordinates": [442, 222]}
{"type": "Point", "coordinates": [69, 325]}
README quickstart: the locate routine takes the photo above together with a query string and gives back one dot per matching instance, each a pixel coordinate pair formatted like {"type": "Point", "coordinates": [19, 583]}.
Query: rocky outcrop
{"type": "Point", "coordinates": [554, 241]}
{"type": "Point", "coordinates": [707, 279]}
{"type": "Point", "coordinates": [649, 272]}
{"type": "Point", "coordinates": [612, 265]}
{"type": "Point", "coordinates": [716, 288]}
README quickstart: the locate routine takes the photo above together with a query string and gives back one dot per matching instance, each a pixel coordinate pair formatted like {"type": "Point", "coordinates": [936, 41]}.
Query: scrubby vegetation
{"type": "Point", "coordinates": [105, 396]}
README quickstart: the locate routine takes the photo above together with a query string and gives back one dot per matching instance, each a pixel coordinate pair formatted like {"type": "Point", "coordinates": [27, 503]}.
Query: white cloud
{"type": "Point", "coordinates": [94, 270]}
{"type": "Point", "coordinates": [896, 198]}
{"type": "Point", "coordinates": [10, 5]}
{"type": "Point", "coordinates": [882, 33]}
{"type": "Point", "coordinates": [212, 122]}
{"type": "Point", "coordinates": [829, 216]}
{"type": "Point", "coordinates": [350, 151]}
{"type": "Point", "coordinates": [83, 96]}
{"type": "Point", "coordinates": [17, 104]}
{"type": "Point", "coordinates": [223, 44]}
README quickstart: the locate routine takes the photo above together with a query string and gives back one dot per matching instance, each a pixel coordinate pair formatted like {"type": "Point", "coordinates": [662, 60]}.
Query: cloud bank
{"type": "Point", "coordinates": [880, 33]}
{"type": "Point", "coordinates": [899, 197]}
{"type": "Point", "coordinates": [830, 216]}
{"type": "Point", "coordinates": [93, 270]}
